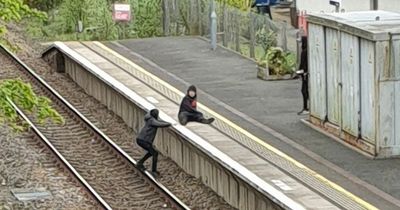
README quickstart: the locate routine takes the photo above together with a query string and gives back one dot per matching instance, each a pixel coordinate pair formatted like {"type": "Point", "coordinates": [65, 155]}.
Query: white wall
{"type": "Point", "coordinates": [323, 5]}
{"type": "Point", "coordinates": [348, 5]}
{"type": "Point", "coordinates": [389, 5]}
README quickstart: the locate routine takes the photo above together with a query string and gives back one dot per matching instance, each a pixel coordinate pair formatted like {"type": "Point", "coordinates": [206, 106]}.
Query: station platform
{"type": "Point", "coordinates": [228, 85]}
{"type": "Point", "coordinates": [268, 140]}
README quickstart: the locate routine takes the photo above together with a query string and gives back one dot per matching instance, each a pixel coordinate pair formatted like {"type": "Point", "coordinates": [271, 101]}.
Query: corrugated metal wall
{"type": "Point", "coordinates": [368, 87]}
{"type": "Point", "coordinates": [396, 145]}
{"type": "Point", "coordinates": [396, 54]}
{"type": "Point", "coordinates": [386, 117]}
{"type": "Point", "coordinates": [333, 78]}
{"type": "Point", "coordinates": [350, 52]}
{"type": "Point", "coordinates": [317, 71]}
{"type": "Point", "coordinates": [363, 55]}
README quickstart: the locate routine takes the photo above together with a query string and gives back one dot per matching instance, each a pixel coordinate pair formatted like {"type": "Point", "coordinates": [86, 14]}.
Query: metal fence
{"type": "Point", "coordinates": [236, 29]}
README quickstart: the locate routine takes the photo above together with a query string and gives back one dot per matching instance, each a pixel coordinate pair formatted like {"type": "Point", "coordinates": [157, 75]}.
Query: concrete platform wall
{"type": "Point", "coordinates": [172, 144]}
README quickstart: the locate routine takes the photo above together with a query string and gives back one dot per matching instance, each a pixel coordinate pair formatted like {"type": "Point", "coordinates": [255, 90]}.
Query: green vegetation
{"type": "Point", "coordinates": [23, 96]}
{"type": "Point", "coordinates": [59, 19]}
{"type": "Point", "coordinates": [17, 91]}
{"type": "Point", "coordinates": [266, 39]}
{"type": "Point", "coordinates": [15, 11]}
{"type": "Point", "coordinates": [96, 18]}
{"type": "Point", "coordinates": [241, 4]}
{"type": "Point", "coordinates": [278, 61]}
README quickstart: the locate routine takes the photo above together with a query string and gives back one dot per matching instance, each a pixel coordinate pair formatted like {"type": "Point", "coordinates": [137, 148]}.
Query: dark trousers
{"type": "Point", "coordinates": [304, 92]}
{"type": "Point", "coordinates": [263, 10]}
{"type": "Point", "coordinates": [150, 152]}
{"type": "Point", "coordinates": [185, 117]}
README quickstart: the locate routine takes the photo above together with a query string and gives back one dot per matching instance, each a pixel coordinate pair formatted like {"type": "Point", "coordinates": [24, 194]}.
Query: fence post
{"type": "Point", "coordinates": [266, 23]}
{"type": "Point", "coordinates": [284, 36]}
{"type": "Point", "coordinates": [237, 31]}
{"type": "Point", "coordinates": [176, 14]}
{"type": "Point", "coordinates": [252, 35]}
{"type": "Point", "coordinates": [199, 20]}
{"type": "Point", "coordinates": [225, 27]}
{"type": "Point", "coordinates": [213, 27]}
{"type": "Point", "coordinates": [190, 17]}
{"type": "Point", "coordinates": [165, 18]}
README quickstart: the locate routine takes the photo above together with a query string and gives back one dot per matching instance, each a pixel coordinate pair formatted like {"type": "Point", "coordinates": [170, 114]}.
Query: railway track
{"type": "Point", "coordinates": [107, 173]}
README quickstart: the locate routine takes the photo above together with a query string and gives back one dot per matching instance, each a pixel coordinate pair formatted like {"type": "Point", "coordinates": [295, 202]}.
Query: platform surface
{"type": "Point", "coordinates": [260, 160]}
{"type": "Point", "coordinates": [294, 190]}
{"type": "Point", "coordinates": [229, 86]}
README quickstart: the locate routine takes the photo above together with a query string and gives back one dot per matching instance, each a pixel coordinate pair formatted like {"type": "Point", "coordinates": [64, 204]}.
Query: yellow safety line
{"type": "Point", "coordinates": [246, 133]}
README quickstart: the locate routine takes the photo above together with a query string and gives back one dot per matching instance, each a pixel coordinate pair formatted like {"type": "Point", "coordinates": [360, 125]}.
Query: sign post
{"type": "Point", "coordinates": [336, 3]}
{"type": "Point", "coordinates": [122, 14]}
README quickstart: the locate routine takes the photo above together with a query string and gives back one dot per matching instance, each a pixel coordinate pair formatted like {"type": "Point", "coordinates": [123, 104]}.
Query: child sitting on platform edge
{"type": "Point", "coordinates": [188, 109]}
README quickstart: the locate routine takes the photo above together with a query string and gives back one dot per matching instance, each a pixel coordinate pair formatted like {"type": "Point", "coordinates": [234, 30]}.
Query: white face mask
{"type": "Point", "coordinates": [192, 93]}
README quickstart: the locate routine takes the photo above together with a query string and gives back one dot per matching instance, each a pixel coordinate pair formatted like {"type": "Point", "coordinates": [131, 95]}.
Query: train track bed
{"type": "Point", "coordinates": [27, 166]}
{"type": "Point", "coordinates": [187, 188]}
{"type": "Point", "coordinates": [105, 169]}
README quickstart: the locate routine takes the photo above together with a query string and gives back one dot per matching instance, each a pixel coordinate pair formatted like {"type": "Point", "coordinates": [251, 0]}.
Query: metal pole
{"type": "Point", "coordinates": [298, 47]}
{"type": "Point", "coordinates": [374, 4]}
{"type": "Point", "coordinates": [213, 27]}
{"type": "Point", "coordinates": [79, 29]}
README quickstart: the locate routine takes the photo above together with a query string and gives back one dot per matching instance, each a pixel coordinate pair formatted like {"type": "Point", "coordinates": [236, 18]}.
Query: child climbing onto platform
{"type": "Point", "coordinates": [188, 109]}
{"type": "Point", "coordinates": [146, 137]}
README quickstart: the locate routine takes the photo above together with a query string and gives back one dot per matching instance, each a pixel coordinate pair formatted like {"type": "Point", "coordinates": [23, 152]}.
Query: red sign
{"type": "Point", "coordinates": [121, 12]}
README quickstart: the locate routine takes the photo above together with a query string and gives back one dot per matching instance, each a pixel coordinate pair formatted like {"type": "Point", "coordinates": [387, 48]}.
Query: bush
{"type": "Point", "coordinates": [147, 18]}
{"type": "Point", "coordinates": [96, 16]}
{"type": "Point", "coordinates": [289, 63]}
{"type": "Point", "coordinates": [279, 62]}
{"type": "Point", "coordinates": [15, 11]}
{"type": "Point", "coordinates": [266, 39]}
{"type": "Point", "coordinates": [22, 94]}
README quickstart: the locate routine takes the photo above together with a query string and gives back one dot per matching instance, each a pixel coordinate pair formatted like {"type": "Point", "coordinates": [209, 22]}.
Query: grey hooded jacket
{"type": "Point", "coordinates": [152, 123]}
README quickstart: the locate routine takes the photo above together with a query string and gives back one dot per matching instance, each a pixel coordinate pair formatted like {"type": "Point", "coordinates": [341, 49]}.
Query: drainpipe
{"type": "Point", "coordinates": [374, 4]}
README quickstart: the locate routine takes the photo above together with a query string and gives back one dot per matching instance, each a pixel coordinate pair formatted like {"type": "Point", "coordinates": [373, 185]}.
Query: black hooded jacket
{"type": "Point", "coordinates": [149, 131]}
{"type": "Point", "coordinates": [303, 58]}
{"type": "Point", "coordinates": [188, 103]}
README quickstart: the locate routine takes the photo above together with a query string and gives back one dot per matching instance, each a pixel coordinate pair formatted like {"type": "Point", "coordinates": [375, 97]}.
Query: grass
{"type": "Point", "coordinates": [245, 50]}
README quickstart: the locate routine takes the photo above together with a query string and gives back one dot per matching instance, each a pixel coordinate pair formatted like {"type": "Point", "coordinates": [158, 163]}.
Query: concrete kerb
{"type": "Point", "coordinates": [309, 124]}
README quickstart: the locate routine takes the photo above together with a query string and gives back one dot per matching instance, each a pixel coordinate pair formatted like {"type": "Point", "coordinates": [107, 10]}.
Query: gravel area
{"type": "Point", "coordinates": [27, 165]}
{"type": "Point", "coordinates": [189, 189]}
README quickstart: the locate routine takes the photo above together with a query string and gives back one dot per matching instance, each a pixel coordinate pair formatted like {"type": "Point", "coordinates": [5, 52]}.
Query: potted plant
{"type": "Point", "coordinates": [275, 64]}
{"type": "Point", "coordinates": [280, 64]}
{"type": "Point", "coordinates": [266, 39]}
